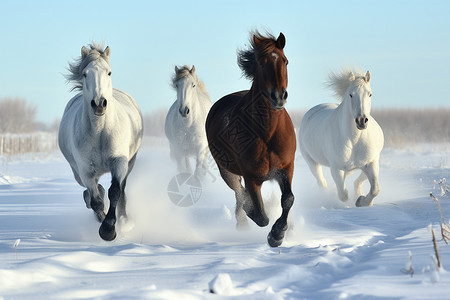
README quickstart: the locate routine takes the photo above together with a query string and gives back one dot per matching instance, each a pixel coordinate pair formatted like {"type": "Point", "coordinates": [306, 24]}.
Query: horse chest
{"type": "Point", "coordinates": [96, 154]}
{"type": "Point", "coordinates": [265, 158]}
{"type": "Point", "coordinates": [355, 155]}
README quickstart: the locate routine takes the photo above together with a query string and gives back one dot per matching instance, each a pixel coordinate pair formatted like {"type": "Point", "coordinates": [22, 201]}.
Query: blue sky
{"type": "Point", "coordinates": [405, 45]}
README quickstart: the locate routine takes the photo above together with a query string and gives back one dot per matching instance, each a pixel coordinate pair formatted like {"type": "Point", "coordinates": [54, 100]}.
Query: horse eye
{"type": "Point", "coordinates": [84, 75]}
{"type": "Point", "coordinates": [351, 96]}
{"type": "Point", "coordinates": [109, 74]}
{"type": "Point", "coordinates": [193, 85]}
{"type": "Point", "coordinates": [370, 95]}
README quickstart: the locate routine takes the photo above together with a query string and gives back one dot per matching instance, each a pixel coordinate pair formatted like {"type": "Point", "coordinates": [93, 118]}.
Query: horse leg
{"type": "Point", "coordinates": [93, 196]}
{"type": "Point", "coordinates": [122, 212]}
{"type": "Point", "coordinates": [316, 169]}
{"type": "Point", "coordinates": [339, 180]}
{"type": "Point", "coordinates": [183, 165]}
{"type": "Point", "coordinates": [201, 165]}
{"type": "Point", "coordinates": [371, 170]}
{"type": "Point", "coordinates": [119, 171]}
{"type": "Point", "coordinates": [234, 182]}
{"type": "Point", "coordinates": [276, 235]}
{"type": "Point", "coordinates": [358, 183]}
{"type": "Point", "coordinates": [255, 208]}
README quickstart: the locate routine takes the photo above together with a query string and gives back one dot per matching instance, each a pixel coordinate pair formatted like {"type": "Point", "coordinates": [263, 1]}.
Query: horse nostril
{"type": "Point", "coordinates": [105, 103]}
{"type": "Point", "coordinates": [273, 95]}
{"type": "Point", "coordinates": [285, 95]}
{"type": "Point", "coordinates": [366, 120]}
{"type": "Point", "coordinates": [93, 105]}
{"type": "Point", "coordinates": [184, 111]}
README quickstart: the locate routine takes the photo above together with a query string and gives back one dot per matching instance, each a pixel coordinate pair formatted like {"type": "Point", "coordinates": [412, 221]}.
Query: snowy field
{"type": "Point", "coordinates": [333, 250]}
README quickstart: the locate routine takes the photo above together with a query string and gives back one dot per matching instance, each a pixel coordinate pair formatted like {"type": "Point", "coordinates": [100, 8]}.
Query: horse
{"type": "Point", "coordinates": [100, 131]}
{"type": "Point", "coordinates": [251, 136]}
{"type": "Point", "coordinates": [185, 121]}
{"type": "Point", "coordinates": [344, 136]}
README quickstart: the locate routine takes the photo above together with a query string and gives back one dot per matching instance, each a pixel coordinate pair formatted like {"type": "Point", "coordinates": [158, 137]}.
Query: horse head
{"type": "Point", "coordinates": [96, 80]}
{"type": "Point", "coordinates": [272, 63]}
{"type": "Point", "coordinates": [360, 95]}
{"type": "Point", "coordinates": [185, 82]}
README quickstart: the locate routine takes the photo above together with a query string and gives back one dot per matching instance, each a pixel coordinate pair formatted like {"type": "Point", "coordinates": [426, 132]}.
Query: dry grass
{"type": "Point", "coordinates": [401, 127]}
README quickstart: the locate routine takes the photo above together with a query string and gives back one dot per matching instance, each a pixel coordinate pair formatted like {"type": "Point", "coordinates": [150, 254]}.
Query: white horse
{"type": "Point", "coordinates": [100, 132]}
{"type": "Point", "coordinates": [185, 121]}
{"type": "Point", "coordinates": [344, 137]}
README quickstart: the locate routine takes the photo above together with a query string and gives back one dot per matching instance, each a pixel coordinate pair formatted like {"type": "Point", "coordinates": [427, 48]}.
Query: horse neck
{"type": "Point", "coordinates": [257, 105]}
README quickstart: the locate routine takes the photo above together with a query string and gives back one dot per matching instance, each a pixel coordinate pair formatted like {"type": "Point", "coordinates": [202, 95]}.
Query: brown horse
{"type": "Point", "coordinates": [251, 135]}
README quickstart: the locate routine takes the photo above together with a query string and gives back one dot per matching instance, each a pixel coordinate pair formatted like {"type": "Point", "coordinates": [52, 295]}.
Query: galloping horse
{"type": "Point", "coordinates": [344, 136]}
{"type": "Point", "coordinates": [100, 132]}
{"type": "Point", "coordinates": [251, 135]}
{"type": "Point", "coordinates": [185, 121]}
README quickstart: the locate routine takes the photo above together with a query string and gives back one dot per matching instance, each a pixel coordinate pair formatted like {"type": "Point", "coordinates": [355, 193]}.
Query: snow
{"type": "Point", "coordinates": [50, 248]}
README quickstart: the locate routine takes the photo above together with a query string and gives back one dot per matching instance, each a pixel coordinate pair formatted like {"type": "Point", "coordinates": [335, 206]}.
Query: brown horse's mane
{"type": "Point", "coordinates": [248, 59]}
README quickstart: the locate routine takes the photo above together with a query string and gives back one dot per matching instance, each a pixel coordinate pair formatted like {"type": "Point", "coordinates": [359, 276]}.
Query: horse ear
{"type": "Point", "coordinates": [176, 69]}
{"type": "Point", "coordinates": [84, 52]}
{"type": "Point", "coordinates": [192, 71]}
{"type": "Point", "coordinates": [281, 41]}
{"type": "Point", "coordinates": [255, 39]}
{"type": "Point", "coordinates": [107, 52]}
{"type": "Point", "coordinates": [367, 78]}
{"type": "Point", "coordinates": [351, 76]}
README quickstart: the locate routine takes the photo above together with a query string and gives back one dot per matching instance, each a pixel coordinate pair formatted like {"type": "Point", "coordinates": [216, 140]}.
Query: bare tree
{"type": "Point", "coordinates": [17, 116]}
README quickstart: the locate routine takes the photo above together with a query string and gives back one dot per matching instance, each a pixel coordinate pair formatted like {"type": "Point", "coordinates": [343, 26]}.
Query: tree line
{"type": "Point", "coordinates": [400, 126]}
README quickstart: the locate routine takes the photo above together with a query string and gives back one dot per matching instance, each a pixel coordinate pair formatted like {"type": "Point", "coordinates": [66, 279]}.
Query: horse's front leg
{"type": "Point", "coordinates": [93, 196]}
{"type": "Point", "coordinates": [339, 179]}
{"type": "Point", "coordinates": [201, 166]}
{"type": "Point", "coordinates": [255, 208]}
{"type": "Point", "coordinates": [276, 235]}
{"type": "Point", "coordinates": [119, 172]}
{"type": "Point", "coordinates": [371, 170]}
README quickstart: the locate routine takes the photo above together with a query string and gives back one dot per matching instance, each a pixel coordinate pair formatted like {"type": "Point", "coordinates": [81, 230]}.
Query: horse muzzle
{"type": "Point", "coordinates": [278, 99]}
{"type": "Point", "coordinates": [184, 111]}
{"type": "Point", "coordinates": [100, 108]}
{"type": "Point", "coordinates": [361, 122]}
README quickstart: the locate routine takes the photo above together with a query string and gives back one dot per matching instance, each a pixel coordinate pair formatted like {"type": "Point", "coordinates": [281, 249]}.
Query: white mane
{"type": "Point", "coordinates": [185, 71]}
{"type": "Point", "coordinates": [339, 82]}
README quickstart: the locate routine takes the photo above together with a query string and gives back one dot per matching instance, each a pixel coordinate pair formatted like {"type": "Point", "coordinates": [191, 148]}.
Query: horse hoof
{"type": "Point", "coordinates": [273, 242]}
{"type": "Point", "coordinates": [261, 221]}
{"type": "Point", "coordinates": [107, 232]}
{"type": "Point", "coordinates": [362, 202]}
{"type": "Point", "coordinates": [344, 196]}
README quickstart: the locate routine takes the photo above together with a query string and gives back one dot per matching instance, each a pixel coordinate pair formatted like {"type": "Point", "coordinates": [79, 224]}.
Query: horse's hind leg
{"type": "Point", "coordinates": [339, 180]}
{"type": "Point", "coordinates": [371, 170]}
{"type": "Point", "coordinates": [276, 235]}
{"type": "Point", "coordinates": [255, 208]}
{"type": "Point", "coordinates": [234, 182]}
{"type": "Point", "coordinates": [316, 169]}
